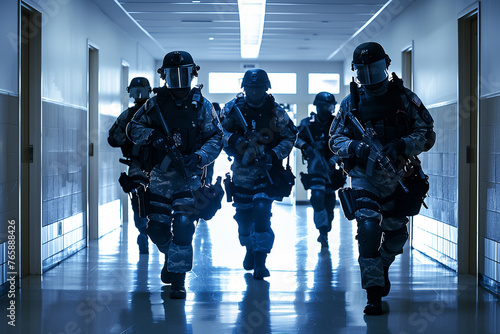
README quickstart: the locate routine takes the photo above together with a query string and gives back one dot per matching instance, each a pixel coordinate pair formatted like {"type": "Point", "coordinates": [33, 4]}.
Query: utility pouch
{"type": "Point", "coordinates": [283, 181]}
{"type": "Point", "coordinates": [348, 202]}
{"type": "Point", "coordinates": [143, 201]}
{"type": "Point", "coordinates": [409, 204]}
{"type": "Point", "coordinates": [338, 178]}
{"type": "Point", "coordinates": [208, 200]}
{"type": "Point", "coordinates": [126, 182]}
{"type": "Point", "coordinates": [229, 185]}
{"type": "Point", "coordinates": [306, 180]}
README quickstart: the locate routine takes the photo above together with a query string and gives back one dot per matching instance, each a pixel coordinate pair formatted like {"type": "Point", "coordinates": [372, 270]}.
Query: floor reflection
{"type": "Point", "coordinates": [110, 288]}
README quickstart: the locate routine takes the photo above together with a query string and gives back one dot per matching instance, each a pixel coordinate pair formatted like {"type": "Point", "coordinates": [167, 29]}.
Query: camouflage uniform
{"type": "Point", "coordinates": [274, 131]}
{"type": "Point", "coordinates": [196, 129]}
{"type": "Point", "coordinates": [322, 190]}
{"type": "Point", "coordinates": [376, 255]}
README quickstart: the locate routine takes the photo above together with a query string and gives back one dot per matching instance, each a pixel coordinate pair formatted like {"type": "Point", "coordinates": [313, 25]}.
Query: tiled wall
{"type": "Point", "coordinates": [64, 179]}
{"type": "Point", "coordinates": [435, 229]}
{"type": "Point", "coordinates": [436, 239]}
{"type": "Point", "coordinates": [110, 168]}
{"type": "Point", "coordinates": [490, 278]}
{"type": "Point", "coordinates": [9, 173]}
{"type": "Point", "coordinates": [489, 191]}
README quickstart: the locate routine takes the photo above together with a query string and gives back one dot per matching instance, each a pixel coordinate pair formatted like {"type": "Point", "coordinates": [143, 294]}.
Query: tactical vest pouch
{"type": "Point", "coordinates": [208, 200]}
{"type": "Point", "coordinates": [347, 200]}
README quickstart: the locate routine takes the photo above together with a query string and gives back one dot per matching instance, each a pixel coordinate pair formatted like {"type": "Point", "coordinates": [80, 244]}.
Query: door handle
{"type": "Point", "coordinates": [30, 154]}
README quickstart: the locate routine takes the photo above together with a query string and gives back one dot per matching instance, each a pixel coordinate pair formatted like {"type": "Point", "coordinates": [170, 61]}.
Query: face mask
{"type": "Point", "coordinates": [370, 74]}
{"type": "Point", "coordinates": [255, 96]}
{"type": "Point", "coordinates": [324, 111]}
{"type": "Point", "coordinates": [178, 77]}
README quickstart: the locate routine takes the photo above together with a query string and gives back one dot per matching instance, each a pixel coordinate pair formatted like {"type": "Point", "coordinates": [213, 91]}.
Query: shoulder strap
{"type": "Point", "coordinates": [197, 97]}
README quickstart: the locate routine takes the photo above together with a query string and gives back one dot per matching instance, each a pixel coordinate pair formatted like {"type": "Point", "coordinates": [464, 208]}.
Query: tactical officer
{"type": "Point", "coordinates": [404, 128]}
{"type": "Point", "coordinates": [185, 133]}
{"type": "Point", "coordinates": [139, 89]}
{"type": "Point", "coordinates": [258, 134]}
{"type": "Point", "coordinates": [322, 177]}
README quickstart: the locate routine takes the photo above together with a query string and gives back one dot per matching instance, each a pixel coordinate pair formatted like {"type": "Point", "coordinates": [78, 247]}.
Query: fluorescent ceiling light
{"type": "Point", "coordinates": [252, 13]}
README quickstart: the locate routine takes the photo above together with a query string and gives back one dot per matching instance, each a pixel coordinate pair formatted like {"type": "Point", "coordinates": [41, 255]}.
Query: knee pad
{"type": "Point", "coordinates": [183, 229]}
{"type": "Point", "coordinates": [160, 234]}
{"type": "Point", "coordinates": [369, 235]}
{"type": "Point", "coordinates": [262, 214]}
{"type": "Point", "coordinates": [317, 200]}
{"type": "Point", "coordinates": [394, 241]}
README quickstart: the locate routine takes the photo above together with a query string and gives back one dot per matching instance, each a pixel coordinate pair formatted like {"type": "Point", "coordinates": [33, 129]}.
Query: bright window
{"type": "Point", "coordinates": [281, 83]}
{"type": "Point", "coordinates": [324, 82]}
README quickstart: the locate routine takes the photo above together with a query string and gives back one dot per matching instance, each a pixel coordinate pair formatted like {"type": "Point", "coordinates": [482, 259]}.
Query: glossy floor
{"type": "Point", "coordinates": [110, 288]}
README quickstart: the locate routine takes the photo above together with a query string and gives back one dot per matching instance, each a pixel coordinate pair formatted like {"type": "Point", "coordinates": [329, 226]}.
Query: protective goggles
{"type": "Point", "coordinates": [370, 74]}
{"type": "Point", "coordinates": [178, 77]}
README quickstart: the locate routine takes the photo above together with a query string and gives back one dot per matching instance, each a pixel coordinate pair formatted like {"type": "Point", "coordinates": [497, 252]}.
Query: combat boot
{"type": "Point", "coordinates": [248, 261]}
{"type": "Point", "coordinates": [260, 271]}
{"type": "Point", "coordinates": [387, 287]}
{"type": "Point", "coordinates": [142, 241]}
{"type": "Point", "coordinates": [374, 300]}
{"type": "Point", "coordinates": [178, 291]}
{"type": "Point", "coordinates": [323, 237]}
{"type": "Point", "coordinates": [166, 276]}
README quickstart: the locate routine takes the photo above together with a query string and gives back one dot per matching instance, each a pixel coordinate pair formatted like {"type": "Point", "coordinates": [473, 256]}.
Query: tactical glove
{"type": "Point", "coordinates": [393, 149]}
{"type": "Point", "coordinates": [192, 160]}
{"type": "Point", "coordinates": [157, 138]}
{"type": "Point", "coordinates": [308, 151]}
{"type": "Point", "coordinates": [360, 149]}
{"type": "Point", "coordinates": [270, 156]}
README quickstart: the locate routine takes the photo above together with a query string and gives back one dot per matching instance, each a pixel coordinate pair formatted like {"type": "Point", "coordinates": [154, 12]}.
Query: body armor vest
{"type": "Point", "coordinates": [184, 121]}
{"type": "Point", "coordinates": [385, 113]}
{"type": "Point", "coordinates": [262, 120]}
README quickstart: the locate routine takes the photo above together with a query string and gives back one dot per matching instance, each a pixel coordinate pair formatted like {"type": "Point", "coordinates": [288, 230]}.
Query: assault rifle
{"type": "Point", "coordinates": [252, 138]}
{"type": "Point", "coordinates": [174, 156]}
{"type": "Point", "coordinates": [321, 157]}
{"type": "Point", "coordinates": [368, 136]}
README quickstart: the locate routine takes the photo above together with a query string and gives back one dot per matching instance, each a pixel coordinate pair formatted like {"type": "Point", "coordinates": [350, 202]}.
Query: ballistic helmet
{"type": "Point", "coordinates": [370, 62]}
{"type": "Point", "coordinates": [324, 98]}
{"type": "Point", "coordinates": [178, 69]}
{"type": "Point", "coordinates": [139, 88]}
{"type": "Point", "coordinates": [256, 78]}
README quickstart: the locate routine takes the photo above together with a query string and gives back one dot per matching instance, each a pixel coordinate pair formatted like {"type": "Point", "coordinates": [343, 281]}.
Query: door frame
{"type": "Point", "coordinates": [30, 231]}
{"type": "Point", "coordinates": [92, 188]}
{"type": "Point", "coordinates": [468, 186]}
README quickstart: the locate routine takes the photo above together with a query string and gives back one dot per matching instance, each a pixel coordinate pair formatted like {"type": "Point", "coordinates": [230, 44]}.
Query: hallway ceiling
{"type": "Point", "coordinates": [294, 30]}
